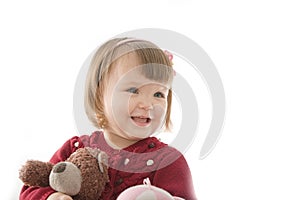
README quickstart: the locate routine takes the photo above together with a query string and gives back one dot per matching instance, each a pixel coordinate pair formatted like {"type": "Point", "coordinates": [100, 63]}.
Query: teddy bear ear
{"type": "Point", "coordinates": [35, 173]}
{"type": "Point", "coordinates": [102, 159]}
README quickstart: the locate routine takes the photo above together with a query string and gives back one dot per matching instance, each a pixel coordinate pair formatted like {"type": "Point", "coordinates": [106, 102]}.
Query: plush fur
{"type": "Point", "coordinates": [83, 175]}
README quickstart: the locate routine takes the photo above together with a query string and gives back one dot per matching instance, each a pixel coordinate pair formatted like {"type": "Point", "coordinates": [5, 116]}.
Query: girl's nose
{"type": "Point", "coordinates": [145, 103]}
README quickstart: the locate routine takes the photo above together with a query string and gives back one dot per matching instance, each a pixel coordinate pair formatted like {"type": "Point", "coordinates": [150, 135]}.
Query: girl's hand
{"type": "Point", "coordinates": [59, 196]}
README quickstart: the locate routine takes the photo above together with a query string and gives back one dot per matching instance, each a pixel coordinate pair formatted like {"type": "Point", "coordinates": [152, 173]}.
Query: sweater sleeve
{"type": "Point", "coordinates": [175, 177]}
{"type": "Point", "coordinates": [42, 193]}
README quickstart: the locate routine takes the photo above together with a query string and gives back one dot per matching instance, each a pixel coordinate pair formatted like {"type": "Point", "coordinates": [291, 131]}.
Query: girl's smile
{"type": "Point", "coordinates": [141, 121]}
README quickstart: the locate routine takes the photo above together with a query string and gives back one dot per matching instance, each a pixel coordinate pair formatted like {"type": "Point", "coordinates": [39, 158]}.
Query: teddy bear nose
{"type": "Point", "coordinates": [59, 168]}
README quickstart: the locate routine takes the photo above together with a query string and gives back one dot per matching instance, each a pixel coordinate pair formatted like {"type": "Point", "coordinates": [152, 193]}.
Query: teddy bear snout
{"type": "Point", "coordinates": [66, 178]}
{"type": "Point", "coordinates": [59, 168]}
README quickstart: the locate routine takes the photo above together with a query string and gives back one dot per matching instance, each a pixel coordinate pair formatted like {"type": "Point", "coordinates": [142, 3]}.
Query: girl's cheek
{"type": "Point", "coordinates": [121, 102]}
{"type": "Point", "coordinates": [160, 110]}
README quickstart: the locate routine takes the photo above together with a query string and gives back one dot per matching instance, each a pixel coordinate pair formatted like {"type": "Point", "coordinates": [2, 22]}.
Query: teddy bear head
{"type": "Point", "coordinates": [83, 175]}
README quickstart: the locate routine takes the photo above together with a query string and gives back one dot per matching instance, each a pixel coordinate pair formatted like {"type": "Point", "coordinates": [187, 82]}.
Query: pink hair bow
{"type": "Point", "coordinates": [170, 56]}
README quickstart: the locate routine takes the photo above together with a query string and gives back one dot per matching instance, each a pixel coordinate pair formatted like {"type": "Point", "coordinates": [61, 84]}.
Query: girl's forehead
{"type": "Point", "coordinates": [133, 76]}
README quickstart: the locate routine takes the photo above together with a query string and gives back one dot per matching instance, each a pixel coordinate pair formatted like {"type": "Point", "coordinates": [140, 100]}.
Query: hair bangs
{"type": "Point", "coordinates": [156, 64]}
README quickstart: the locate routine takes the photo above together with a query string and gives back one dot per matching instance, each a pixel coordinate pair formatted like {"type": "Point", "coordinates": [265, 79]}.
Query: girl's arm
{"type": "Point", "coordinates": [176, 177]}
{"type": "Point", "coordinates": [42, 193]}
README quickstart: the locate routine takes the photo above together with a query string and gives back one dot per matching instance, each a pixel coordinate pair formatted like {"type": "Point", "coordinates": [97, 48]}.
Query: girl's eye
{"type": "Point", "coordinates": [159, 95]}
{"type": "Point", "coordinates": [133, 90]}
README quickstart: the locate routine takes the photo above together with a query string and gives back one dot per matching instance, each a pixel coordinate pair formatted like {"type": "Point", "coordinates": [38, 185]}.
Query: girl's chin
{"type": "Point", "coordinates": [138, 136]}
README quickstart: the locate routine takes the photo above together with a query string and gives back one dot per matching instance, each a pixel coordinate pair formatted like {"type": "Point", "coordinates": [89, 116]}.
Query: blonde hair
{"type": "Point", "coordinates": [100, 68]}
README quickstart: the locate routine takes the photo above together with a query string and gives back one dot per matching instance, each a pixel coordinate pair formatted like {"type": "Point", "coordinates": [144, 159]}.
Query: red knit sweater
{"type": "Point", "coordinates": [163, 165]}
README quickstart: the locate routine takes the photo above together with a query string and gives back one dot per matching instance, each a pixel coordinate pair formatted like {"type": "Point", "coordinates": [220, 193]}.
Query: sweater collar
{"type": "Point", "coordinates": [139, 147]}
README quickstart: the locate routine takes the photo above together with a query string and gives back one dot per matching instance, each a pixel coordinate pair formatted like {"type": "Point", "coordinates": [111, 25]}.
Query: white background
{"type": "Point", "coordinates": [254, 44]}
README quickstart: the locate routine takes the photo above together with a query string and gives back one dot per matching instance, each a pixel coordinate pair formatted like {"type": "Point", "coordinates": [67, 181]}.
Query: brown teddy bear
{"type": "Point", "coordinates": [83, 175]}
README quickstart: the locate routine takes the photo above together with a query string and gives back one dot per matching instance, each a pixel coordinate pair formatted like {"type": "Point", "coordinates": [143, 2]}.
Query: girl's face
{"type": "Point", "coordinates": [134, 105]}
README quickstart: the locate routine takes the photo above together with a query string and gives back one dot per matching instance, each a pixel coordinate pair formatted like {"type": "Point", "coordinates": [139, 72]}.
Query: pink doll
{"type": "Point", "coordinates": [146, 192]}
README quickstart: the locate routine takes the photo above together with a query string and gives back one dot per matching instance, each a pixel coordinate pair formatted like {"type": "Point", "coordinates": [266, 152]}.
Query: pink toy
{"type": "Point", "coordinates": [146, 192]}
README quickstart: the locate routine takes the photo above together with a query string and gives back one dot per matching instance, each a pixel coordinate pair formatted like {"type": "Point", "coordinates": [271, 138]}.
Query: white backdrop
{"type": "Point", "coordinates": [254, 45]}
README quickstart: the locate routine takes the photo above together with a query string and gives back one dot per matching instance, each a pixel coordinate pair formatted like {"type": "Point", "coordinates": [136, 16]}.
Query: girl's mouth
{"type": "Point", "coordinates": [141, 121]}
